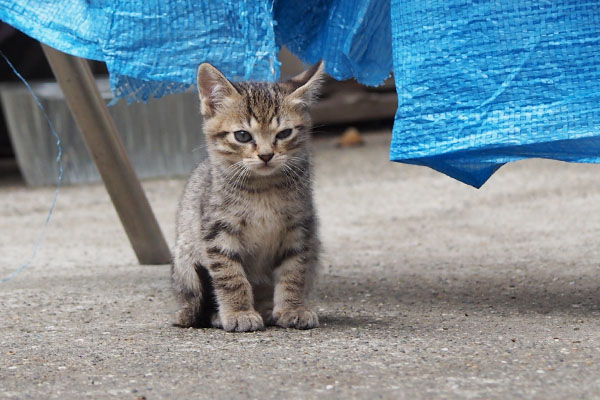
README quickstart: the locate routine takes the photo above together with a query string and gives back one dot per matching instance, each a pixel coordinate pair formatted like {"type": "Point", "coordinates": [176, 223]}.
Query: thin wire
{"type": "Point", "coordinates": [60, 174]}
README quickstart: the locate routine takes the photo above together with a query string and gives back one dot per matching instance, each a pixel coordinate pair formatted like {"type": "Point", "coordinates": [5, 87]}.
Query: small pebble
{"type": "Point", "coordinates": [350, 138]}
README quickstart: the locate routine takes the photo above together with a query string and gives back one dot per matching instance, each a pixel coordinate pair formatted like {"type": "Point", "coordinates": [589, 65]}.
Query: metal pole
{"type": "Point", "coordinates": [102, 139]}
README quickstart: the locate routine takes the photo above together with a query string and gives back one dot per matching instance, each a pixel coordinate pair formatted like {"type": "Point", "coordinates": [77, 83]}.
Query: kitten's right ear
{"type": "Point", "coordinates": [306, 85]}
{"type": "Point", "coordinates": [214, 89]}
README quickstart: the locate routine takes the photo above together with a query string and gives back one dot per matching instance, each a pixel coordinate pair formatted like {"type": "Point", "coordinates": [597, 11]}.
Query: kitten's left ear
{"type": "Point", "coordinates": [214, 89]}
{"type": "Point", "coordinates": [306, 86]}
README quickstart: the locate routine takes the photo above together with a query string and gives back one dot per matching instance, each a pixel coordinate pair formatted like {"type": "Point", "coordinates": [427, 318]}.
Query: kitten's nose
{"type": "Point", "coordinates": [266, 157]}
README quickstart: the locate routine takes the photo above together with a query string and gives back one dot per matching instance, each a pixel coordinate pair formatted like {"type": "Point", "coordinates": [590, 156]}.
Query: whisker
{"type": "Point", "coordinates": [292, 169]}
{"type": "Point", "coordinates": [297, 158]}
{"type": "Point", "coordinates": [246, 177]}
{"type": "Point", "coordinates": [230, 172]}
{"type": "Point", "coordinates": [202, 146]}
{"type": "Point", "coordinates": [232, 166]}
{"type": "Point", "coordinates": [243, 179]}
{"type": "Point", "coordinates": [293, 176]}
{"type": "Point", "coordinates": [299, 162]}
{"type": "Point", "coordinates": [240, 169]}
{"type": "Point", "coordinates": [288, 177]}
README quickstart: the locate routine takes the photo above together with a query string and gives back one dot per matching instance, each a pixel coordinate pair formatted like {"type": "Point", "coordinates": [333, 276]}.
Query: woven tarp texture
{"type": "Point", "coordinates": [352, 37]}
{"type": "Point", "coordinates": [72, 26]}
{"type": "Point", "coordinates": [154, 47]}
{"type": "Point", "coordinates": [484, 83]}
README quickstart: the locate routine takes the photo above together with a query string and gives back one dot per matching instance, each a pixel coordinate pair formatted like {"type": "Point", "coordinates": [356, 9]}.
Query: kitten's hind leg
{"type": "Point", "coordinates": [189, 315]}
{"type": "Point", "coordinates": [193, 288]}
{"type": "Point", "coordinates": [216, 321]}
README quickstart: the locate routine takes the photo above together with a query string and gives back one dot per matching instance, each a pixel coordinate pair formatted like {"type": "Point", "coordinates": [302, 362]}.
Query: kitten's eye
{"type": "Point", "coordinates": [242, 136]}
{"type": "Point", "coordinates": [284, 133]}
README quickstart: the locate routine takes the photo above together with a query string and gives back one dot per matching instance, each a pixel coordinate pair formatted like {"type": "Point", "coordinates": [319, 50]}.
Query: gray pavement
{"type": "Point", "coordinates": [430, 289]}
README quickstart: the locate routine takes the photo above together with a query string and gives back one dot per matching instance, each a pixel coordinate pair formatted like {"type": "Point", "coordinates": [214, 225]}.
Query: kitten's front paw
{"type": "Point", "coordinates": [242, 321]}
{"type": "Point", "coordinates": [300, 318]}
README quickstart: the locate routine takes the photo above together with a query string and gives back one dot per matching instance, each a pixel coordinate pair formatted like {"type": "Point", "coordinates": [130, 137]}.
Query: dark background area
{"type": "Point", "coordinates": [26, 55]}
{"type": "Point", "coordinates": [28, 58]}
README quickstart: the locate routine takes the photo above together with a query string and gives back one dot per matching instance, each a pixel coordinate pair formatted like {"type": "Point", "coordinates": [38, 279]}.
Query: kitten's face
{"type": "Point", "coordinates": [259, 127]}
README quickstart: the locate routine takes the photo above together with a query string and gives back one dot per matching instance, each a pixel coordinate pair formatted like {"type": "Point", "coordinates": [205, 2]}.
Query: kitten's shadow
{"type": "Point", "coordinates": [459, 293]}
{"type": "Point", "coordinates": [350, 321]}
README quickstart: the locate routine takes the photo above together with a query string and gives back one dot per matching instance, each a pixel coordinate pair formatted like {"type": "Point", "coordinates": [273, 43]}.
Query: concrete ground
{"type": "Point", "coordinates": [430, 290]}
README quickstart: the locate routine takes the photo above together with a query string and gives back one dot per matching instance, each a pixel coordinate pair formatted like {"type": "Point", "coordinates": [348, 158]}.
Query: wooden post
{"type": "Point", "coordinates": [102, 139]}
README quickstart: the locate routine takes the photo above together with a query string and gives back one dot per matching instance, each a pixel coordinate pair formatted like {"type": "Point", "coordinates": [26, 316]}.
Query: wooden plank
{"type": "Point", "coordinates": [102, 139]}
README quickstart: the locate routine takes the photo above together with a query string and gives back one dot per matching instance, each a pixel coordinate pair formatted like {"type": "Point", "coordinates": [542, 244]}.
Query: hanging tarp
{"type": "Point", "coordinates": [154, 47]}
{"type": "Point", "coordinates": [484, 83]}
{"type": "Point", "coordinates": [479, 83]}
{"type": "Point", "coordinates": [353, 37]}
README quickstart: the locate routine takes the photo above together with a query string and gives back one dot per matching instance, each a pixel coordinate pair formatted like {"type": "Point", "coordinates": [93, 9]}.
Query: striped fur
{"type": "Point", "coordinates": [247, 247]}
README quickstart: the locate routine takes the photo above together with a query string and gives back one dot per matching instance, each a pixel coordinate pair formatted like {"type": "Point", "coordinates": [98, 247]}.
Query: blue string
{"type": "Point", "coordinates": [60, 174]}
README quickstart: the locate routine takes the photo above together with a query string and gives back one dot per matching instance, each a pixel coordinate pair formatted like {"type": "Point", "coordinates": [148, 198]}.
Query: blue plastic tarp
{"type": "Point", "coordinates": [153, 47]}
{"type": "Point", "coordinates": [480, 83]}
{"type": "Point", "coordinates": [353, 37]}
{"type": "Point", "coordinates": [484, 83]}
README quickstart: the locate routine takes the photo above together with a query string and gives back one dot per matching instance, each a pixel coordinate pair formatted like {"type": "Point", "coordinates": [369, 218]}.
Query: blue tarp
{"type": "Point", "coordinates": [154, 47]}
{"type": "Point", "coordinates": [487, 82]}
{"type": "Point", "coordinates": [479, 83]}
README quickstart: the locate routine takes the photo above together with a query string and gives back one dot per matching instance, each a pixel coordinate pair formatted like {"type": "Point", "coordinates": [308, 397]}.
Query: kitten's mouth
{"type": "Point", "coordinates": [265, 169]}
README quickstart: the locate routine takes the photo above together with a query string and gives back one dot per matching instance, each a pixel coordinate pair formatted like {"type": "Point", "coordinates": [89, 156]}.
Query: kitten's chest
{"type": "Point", "coordinates": [265, 229]}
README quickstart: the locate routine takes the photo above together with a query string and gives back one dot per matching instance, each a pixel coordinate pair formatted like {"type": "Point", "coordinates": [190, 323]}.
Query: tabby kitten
{"type": "Point", "coordinates": [247, 246]}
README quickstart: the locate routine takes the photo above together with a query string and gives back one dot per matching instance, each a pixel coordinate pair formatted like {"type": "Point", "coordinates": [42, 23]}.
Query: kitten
{"type": "Point", "coordinates": [247, 247]}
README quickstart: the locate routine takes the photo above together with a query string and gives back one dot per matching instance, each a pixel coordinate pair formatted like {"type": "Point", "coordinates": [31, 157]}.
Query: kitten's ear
{"type": "Point", "coordinates": [305, 86]}
{"type": "Point", "coordinates": [214, 89]}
